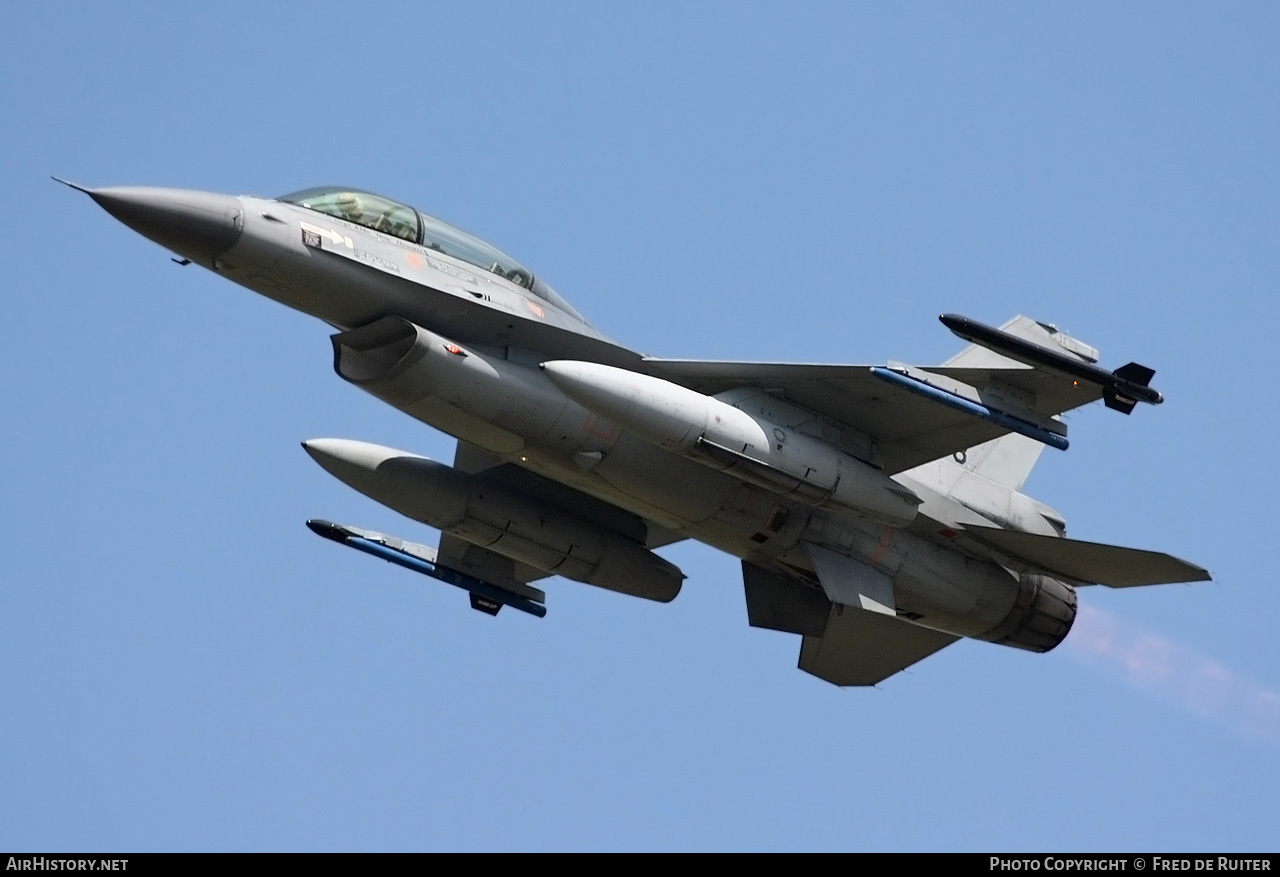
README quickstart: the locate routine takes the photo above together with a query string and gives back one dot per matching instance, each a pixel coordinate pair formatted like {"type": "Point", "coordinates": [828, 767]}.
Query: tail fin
{"type": "Point", "coordinates": [1007, 461]}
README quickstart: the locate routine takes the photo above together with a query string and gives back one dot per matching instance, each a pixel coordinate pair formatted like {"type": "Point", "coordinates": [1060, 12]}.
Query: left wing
{"type": "Point", "coordinates": [1017, 378]}
{"type": "Point", "coordinates": [908, 428]}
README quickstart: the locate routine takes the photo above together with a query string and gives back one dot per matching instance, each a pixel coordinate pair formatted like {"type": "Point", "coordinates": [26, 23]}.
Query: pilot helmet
{"type": "Point", "coordinates": [349, 206]}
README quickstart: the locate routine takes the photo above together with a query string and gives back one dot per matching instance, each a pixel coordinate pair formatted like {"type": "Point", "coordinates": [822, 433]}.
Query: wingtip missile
{"type": "Point", "coordinates": [485, 596]}
{"type": "Point", "coordinates": [1122, 389]}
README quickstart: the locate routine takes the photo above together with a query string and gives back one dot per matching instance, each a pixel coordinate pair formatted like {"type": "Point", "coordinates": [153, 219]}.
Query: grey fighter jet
{"type": "Point", "coordinates": [876, 510]}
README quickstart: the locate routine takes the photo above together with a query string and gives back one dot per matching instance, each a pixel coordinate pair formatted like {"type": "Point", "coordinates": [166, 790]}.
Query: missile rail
{"type": "Point", "coordinates": [967, 406]}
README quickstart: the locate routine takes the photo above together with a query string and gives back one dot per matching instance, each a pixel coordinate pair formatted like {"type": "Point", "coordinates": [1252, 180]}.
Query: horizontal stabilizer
{"type": "Point", "coordinates": [1111, 565]}
{"type": "Point", "coordinates": [863, 648]}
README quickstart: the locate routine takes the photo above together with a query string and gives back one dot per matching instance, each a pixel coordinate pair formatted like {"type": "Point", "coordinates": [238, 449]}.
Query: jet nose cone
{"type": "Point", "coordinates": [198, 225]}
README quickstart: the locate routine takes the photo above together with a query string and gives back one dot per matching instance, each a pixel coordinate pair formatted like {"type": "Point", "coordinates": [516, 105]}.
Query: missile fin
{"type": "Point", "coordinates": [1136, 374]}
{"type": "Point", "coordinates": [488, 607]}
{"type": "Point", "coordinates": [1116, 402]}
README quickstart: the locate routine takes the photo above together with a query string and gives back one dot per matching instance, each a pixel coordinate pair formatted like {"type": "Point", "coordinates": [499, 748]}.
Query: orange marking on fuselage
{"type": "Point", "coordinates": [883, 546]}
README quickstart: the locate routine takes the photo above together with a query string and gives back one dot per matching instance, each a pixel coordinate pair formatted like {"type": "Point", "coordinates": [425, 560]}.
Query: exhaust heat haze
{"type": "Point", "coordinates": [1176, 674]}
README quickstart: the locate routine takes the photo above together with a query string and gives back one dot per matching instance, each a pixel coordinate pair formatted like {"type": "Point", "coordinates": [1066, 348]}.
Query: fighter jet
{"type": "Point", "coordinates": [876, 509]}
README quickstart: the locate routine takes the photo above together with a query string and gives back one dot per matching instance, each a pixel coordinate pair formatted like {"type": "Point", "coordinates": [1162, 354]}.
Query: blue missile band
{"type": "Point", "coordinates": [975, 409]}
{"type": "Point", "coordinates": [450, 576]}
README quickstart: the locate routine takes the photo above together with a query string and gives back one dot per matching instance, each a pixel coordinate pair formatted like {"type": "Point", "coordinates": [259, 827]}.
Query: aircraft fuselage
{"type": "Point", "coordinates": [460, 348]}
{"type": "Point", "coordinates": [350, 276]}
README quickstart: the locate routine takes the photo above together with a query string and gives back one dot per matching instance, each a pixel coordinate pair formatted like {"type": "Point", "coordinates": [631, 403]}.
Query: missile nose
{"type": "Point", "coordinates": [198, 225]}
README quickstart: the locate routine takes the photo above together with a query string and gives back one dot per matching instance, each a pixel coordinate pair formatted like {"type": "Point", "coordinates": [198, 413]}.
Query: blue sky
{"type": "Point", "coordinates": [184, 666]}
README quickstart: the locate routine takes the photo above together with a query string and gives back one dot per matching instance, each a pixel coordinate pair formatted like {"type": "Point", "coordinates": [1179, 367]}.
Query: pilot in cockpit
{"type": "Point", "coordinates": [349, 207]}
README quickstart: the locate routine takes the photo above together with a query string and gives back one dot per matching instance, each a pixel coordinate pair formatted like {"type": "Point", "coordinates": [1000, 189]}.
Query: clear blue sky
{"type": "Point", "coordinates": [184, 666]}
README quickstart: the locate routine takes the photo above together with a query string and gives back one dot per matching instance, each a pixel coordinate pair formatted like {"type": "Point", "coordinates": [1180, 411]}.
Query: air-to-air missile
{"type": "Point", "coordinates": [485, 596]}
{"type": "Point", "coordinates": [1121, 388]}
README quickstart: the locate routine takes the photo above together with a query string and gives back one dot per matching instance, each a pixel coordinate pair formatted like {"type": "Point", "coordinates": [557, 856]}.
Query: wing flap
{"type": "Point", "coordinates": [1094, 562]}
{"type": "Point", "coordinates": [864, 648]}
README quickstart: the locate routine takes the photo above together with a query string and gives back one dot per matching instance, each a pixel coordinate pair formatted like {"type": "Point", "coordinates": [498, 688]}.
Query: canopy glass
{"type": "Point", "coordinates": [384, 215]}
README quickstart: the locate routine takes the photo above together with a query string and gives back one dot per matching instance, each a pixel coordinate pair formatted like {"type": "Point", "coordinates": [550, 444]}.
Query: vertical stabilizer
{"type": "Point", "coordinates": [1007, 461]}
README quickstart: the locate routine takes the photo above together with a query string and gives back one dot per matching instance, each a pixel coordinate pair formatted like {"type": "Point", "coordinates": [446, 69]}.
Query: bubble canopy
{"type": "Point", "coordinates": [402, 221]}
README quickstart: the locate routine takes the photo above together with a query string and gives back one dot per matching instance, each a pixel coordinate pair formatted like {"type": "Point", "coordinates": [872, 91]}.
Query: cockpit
{"type": "Point", "coordinates": [400, 220]}
{"type": "Point", "coordinates": [362, 208]}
